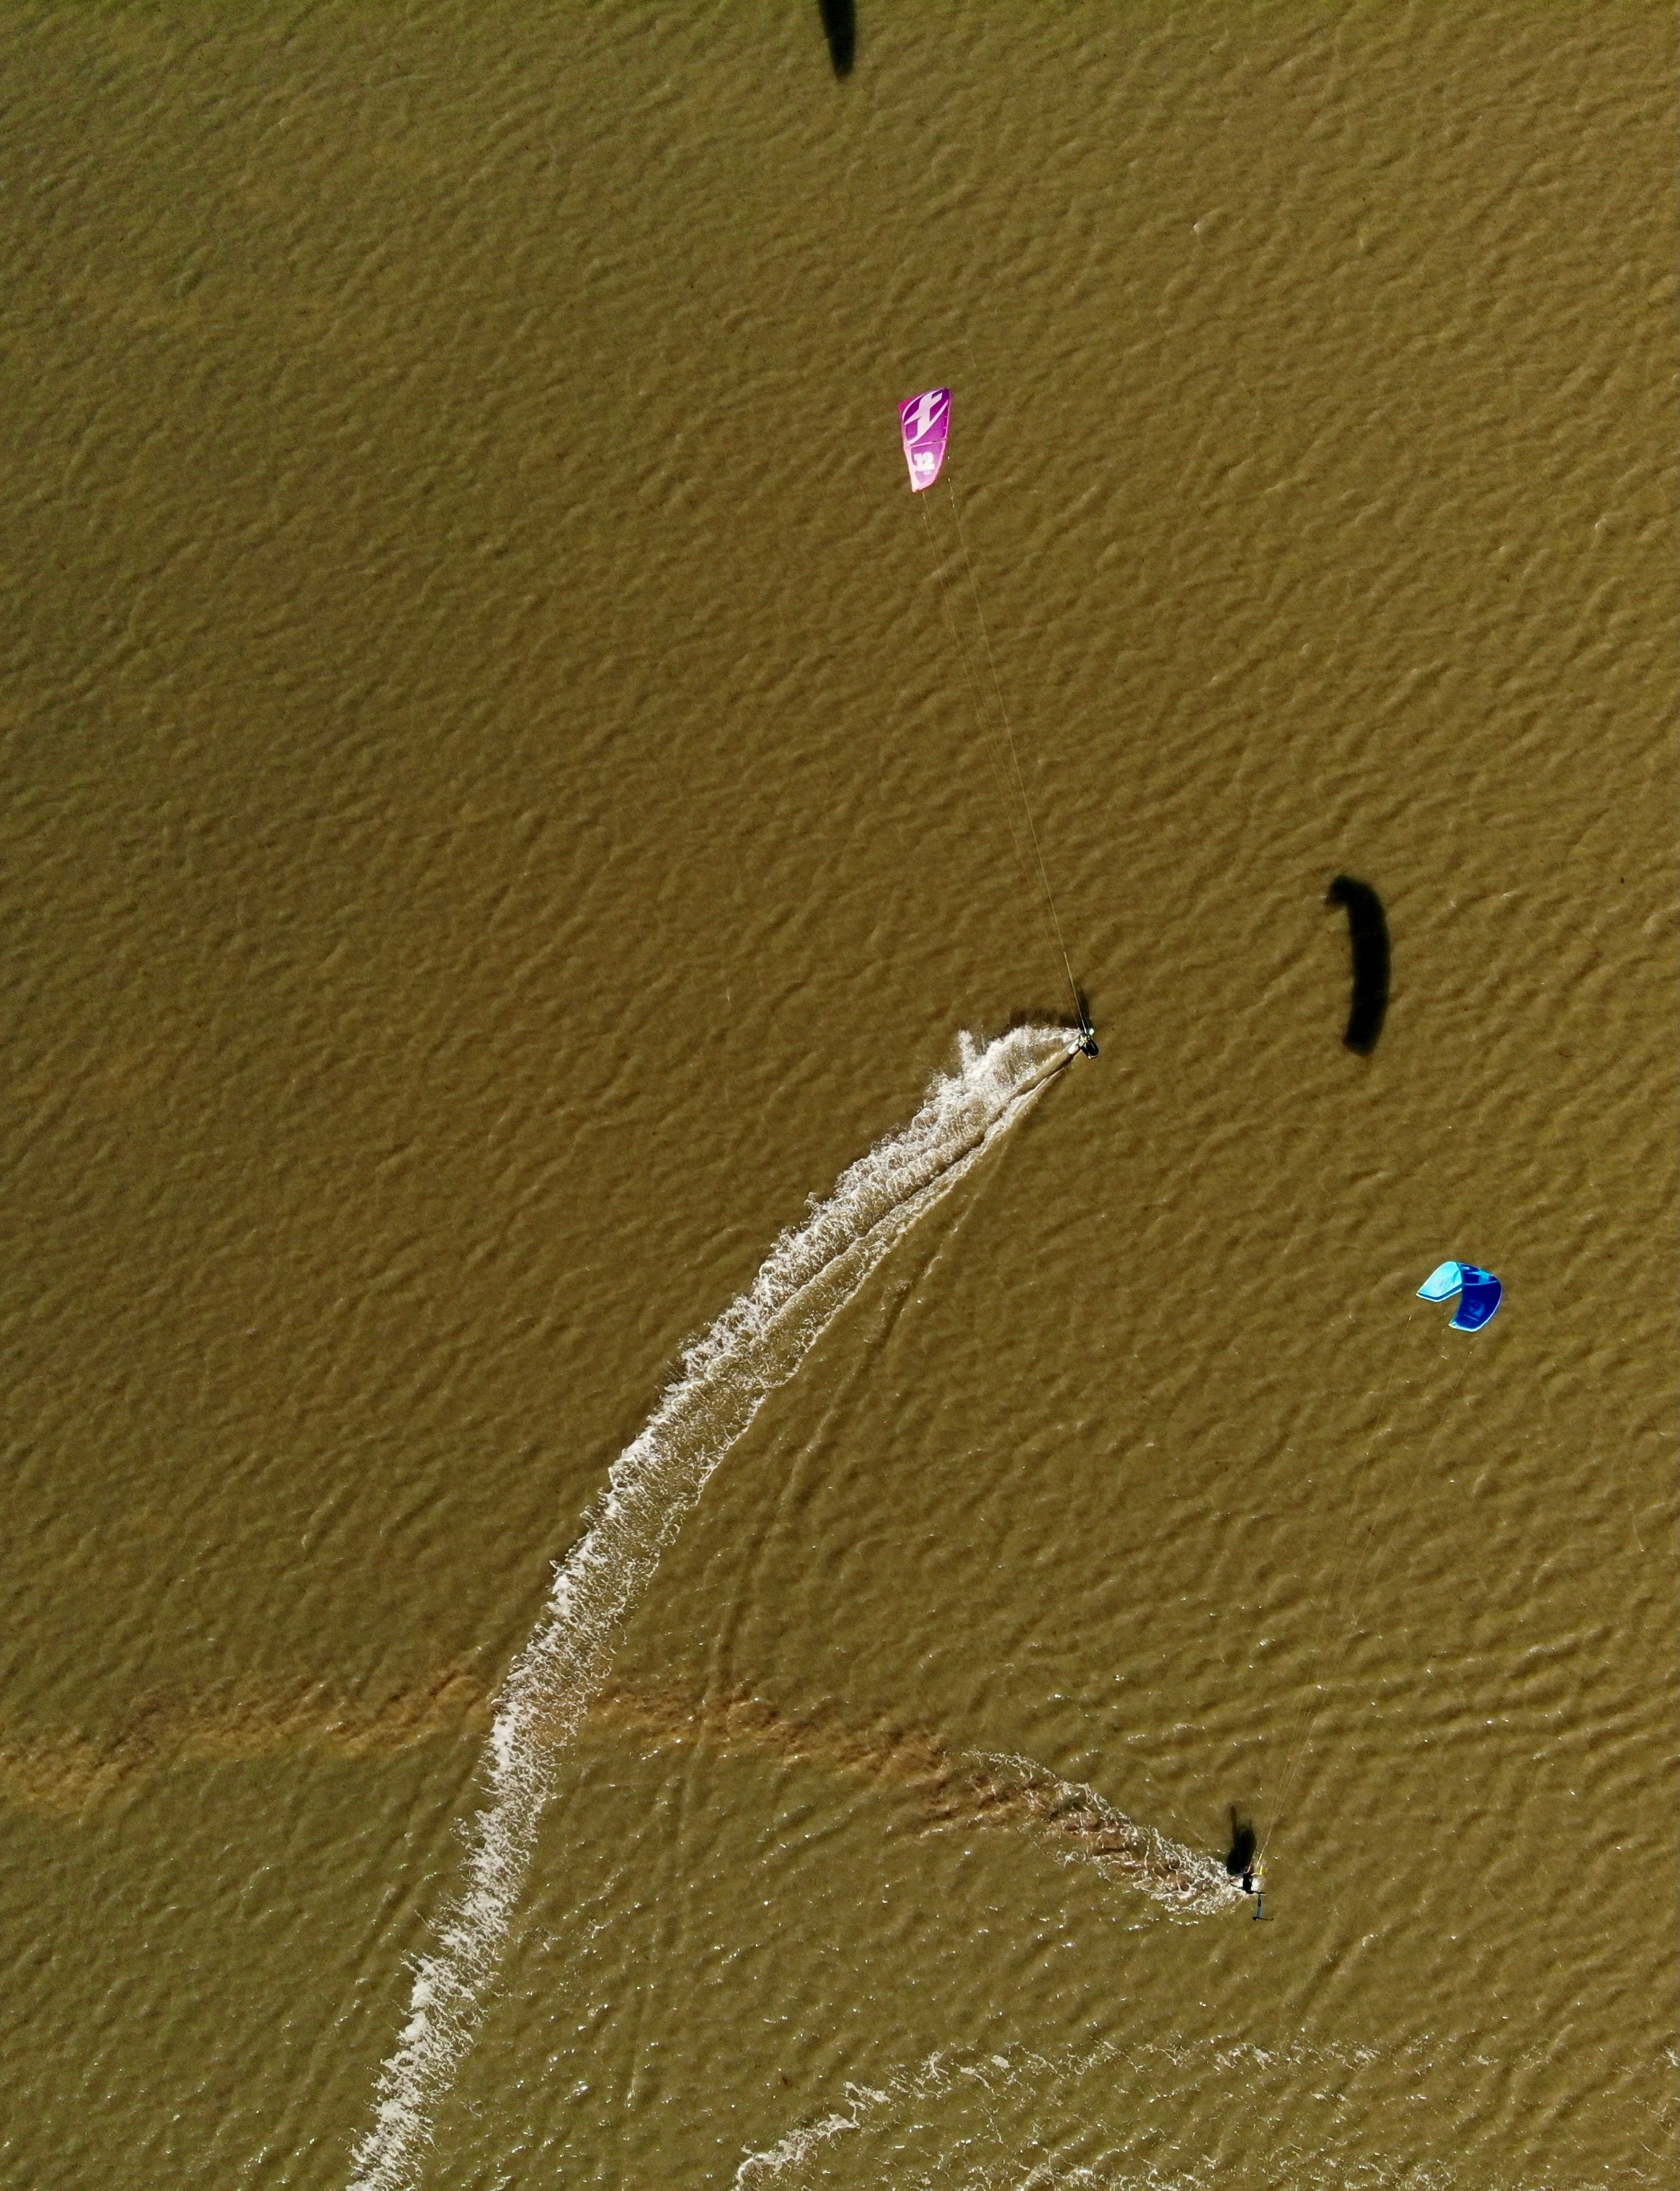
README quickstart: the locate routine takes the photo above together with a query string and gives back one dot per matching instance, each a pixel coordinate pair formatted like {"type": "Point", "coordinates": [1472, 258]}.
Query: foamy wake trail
{"type": "Point", "coordinates": [755, 1345]}
{"type": "Point", "coordinates": [1079, 1826]}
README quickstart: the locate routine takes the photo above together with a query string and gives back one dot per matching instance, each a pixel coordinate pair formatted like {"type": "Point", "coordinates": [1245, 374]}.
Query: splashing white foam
{"type": "Point", "coordinates": [1005, 2119]}
{"type": "Point", "coordinates": [1080, 1826]}
{"type": "Point", "coordinates": [755, 1345]}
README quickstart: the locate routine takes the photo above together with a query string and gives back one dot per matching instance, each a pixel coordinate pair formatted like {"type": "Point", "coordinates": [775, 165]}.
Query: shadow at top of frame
{"type": "Point", "coordinates": [839, 28]}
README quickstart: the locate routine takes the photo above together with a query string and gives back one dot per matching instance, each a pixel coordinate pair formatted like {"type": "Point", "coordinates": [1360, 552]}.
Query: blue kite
{"type": "Point", "coordinates": [1479, 1290]}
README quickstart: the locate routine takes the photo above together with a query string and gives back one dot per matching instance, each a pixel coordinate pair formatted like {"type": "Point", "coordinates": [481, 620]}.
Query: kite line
{"type": "Point", "coordinates": [1362, 1559]}
{"type": "Point", "coordinates": [926, 422]}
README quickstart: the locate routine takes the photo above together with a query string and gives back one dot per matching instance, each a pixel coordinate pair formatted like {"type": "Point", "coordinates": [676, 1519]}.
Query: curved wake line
{"type": "Point", "coordinates": [953, 1791]}
{"type": "Point", "coordinates": [959, 2098]}
{"type": "Point", "coordinates": [1078, 1826]}
{"type": "Point", "coordinates": [756, 1346]}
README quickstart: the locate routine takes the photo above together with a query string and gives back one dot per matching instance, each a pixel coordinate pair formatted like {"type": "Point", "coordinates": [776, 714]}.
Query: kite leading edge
{"type": "Point", "coordinates": [925, 421]}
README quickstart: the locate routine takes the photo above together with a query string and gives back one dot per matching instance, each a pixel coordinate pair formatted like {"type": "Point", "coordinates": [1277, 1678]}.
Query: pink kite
{"type": "Point", "coordinates": [924, 421]}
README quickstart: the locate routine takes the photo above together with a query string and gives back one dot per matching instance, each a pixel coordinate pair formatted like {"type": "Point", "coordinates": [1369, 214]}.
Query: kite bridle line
{"type": "Point", "coordinates": [1307, 1720]}
{"type": "Point", "coordinates": [993, 752]}
{"type": "Point", "coordinates": [1028, 850]}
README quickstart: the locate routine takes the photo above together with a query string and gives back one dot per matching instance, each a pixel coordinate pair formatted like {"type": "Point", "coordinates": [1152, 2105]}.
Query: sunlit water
{"type": "Point", "coordinates": [497, 819]}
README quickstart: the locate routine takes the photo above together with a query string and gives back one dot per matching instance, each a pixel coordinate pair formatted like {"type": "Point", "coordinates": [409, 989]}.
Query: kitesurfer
{"type": "Point", "coordinates": [1086, 1046]}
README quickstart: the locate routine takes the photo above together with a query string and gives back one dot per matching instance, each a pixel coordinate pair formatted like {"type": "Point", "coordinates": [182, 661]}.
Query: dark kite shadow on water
{"type": "Point", "coordinates": [1239, 1858]}
{"type": "Point", "coordinates": [839, 28]}
{"type": "Point", "coordinates": [1368, 933]}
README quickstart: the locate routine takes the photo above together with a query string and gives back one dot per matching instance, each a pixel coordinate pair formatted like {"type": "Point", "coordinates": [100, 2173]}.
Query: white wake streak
{"type": "Point", "coordinates": [1079, 1826]}
{"type": "Point", "coordinates": [755, 1345]}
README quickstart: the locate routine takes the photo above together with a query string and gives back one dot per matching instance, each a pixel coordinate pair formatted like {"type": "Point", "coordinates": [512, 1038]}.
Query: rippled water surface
{"type": "Point", "coordinates": [500, 813]}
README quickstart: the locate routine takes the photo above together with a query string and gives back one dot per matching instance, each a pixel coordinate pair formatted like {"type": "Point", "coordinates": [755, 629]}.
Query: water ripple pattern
{"type": "Point", "coordinates": [755, 1345]}
{"type": "Point", "coordinates": [1078, 1826]}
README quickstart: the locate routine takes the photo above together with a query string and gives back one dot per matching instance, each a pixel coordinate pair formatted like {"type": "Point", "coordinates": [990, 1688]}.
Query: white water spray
{"type": "Point", "coordinates": [1078, 1826]}
{"type": "Point", "coordinates": [755, 1345]}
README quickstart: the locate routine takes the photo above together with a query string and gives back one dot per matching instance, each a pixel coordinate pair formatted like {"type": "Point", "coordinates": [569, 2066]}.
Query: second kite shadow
{"type": "Point", "coordinates": [839, 28]}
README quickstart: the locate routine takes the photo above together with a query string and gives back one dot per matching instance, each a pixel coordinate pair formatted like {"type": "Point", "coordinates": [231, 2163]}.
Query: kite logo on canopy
{"type": "Point", "coordinates": [924, 421]}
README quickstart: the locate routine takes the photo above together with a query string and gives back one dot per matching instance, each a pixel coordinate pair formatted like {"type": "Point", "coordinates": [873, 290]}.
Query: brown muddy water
{"type": "Point", "coordinates": [495, 819]}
